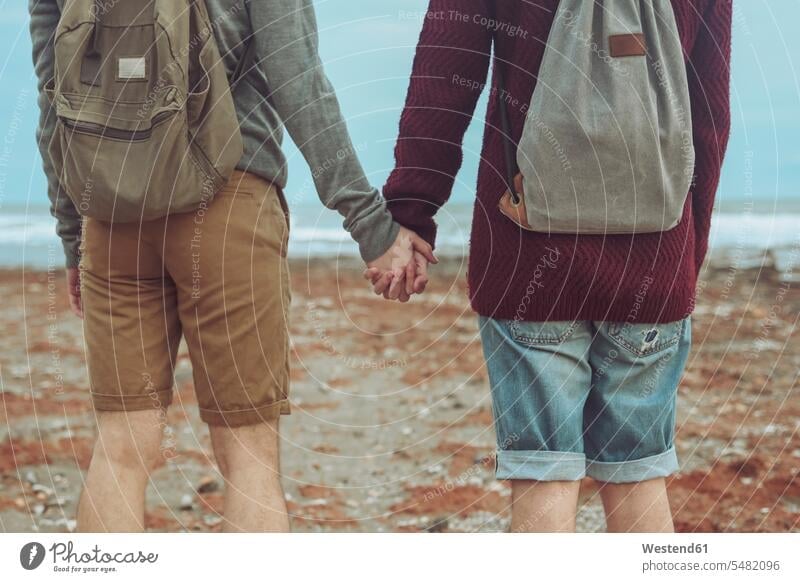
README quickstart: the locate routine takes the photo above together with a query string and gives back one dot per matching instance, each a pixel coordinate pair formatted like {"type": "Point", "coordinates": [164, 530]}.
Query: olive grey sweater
{"type": "Point", "coordinates": [285, 85]}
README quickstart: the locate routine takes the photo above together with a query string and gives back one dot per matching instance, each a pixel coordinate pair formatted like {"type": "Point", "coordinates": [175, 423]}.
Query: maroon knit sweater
{"type": "Point", "coordinates": [515, 274]}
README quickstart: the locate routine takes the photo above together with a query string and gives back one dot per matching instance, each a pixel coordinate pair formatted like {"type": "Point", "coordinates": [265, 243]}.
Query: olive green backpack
{"type": "Point", "coordinates": [146, 124]}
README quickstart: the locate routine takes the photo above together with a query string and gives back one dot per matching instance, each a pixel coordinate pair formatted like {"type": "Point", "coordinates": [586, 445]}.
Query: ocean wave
{"type": "Point", "coordinates": [28, 236]}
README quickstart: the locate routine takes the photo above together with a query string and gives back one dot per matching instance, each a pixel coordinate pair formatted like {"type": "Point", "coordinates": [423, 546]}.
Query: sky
{"type": "Point", "coordinates": [368, 47]}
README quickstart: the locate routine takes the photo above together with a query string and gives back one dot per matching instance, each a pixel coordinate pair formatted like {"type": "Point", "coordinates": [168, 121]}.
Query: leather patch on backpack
{"type": "Point", "coordinates": [627, 45]}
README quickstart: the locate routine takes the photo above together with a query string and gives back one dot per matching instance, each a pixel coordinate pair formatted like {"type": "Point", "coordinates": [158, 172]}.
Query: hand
{"type": "Point", "coordinates": [416, 279]}
{"type": "Point", "coordinates": [74, 291]}
{"type": "Point", "coordinates": [402, 270]}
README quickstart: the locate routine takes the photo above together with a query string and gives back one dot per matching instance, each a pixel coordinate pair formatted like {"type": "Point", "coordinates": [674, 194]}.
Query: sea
{"type": "Point", "coordinates": [753, 232]}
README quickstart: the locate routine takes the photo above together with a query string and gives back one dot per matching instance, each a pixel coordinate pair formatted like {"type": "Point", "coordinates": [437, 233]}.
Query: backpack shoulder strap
{"type": "Point", "coordinates": [247, 60]}
{"type": "Point", "coordinates": [245, 64]}
{"type": "Point", "coordinates": [505, 123]}
{"type": "Point", "coordinates": [92, 59]}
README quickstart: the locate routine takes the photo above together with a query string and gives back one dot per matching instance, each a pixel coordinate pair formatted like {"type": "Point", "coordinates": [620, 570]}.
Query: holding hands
{"type": "Point", "coordinates": [402, 271]}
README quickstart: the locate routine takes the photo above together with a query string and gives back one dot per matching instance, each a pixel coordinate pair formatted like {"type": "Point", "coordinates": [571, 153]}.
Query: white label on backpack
{"type": "Point", "coordinates": [132, 68]}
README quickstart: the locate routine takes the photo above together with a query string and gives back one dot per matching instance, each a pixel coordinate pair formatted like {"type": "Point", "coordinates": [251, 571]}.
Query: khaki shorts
{"type": "Point", "coordinates": [218, 277]}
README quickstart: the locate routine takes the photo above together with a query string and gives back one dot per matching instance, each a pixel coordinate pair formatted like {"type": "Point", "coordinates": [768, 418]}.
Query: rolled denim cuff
{"type": "Point", "coordinates": [653, 467]}
{"type": "Point", "coordinates": [541, 465]}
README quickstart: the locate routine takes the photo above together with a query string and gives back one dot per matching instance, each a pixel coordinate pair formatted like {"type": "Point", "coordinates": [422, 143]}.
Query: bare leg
{"type": "Point", "coordinates": [248, 460]}
{"type": "Point", "coordinates": [128, 448]}
{"type": "Point", "coordinates": [544, 506]}
{"type": "Point", "coordinates": [637, 507]}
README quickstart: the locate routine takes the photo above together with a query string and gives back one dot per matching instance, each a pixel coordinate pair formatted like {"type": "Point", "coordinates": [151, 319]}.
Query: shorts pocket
{"type": "Point", "coordinates": [280, 217]}
{"type": "Point", "coordinates": [272, 230]}
{"type": "Point", "coordinates": [236, 186]}
{"type": "Point", "coordinates": [538, 333]}
{"type": "Point", "coordinates": [283, 209]}
{"type": "Point", "coordinates": [644, 339]}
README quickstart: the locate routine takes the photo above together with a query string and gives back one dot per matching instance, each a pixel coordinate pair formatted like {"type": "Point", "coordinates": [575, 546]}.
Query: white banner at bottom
{"type": "Point", "coordinates": [400, 557]}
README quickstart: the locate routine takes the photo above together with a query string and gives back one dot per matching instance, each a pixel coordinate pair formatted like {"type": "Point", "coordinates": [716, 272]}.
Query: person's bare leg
{"type": "Point", "coordinates": [248, 458]}
{"type": "Point", "coordinates": [127, 449]}
{"type": "Point", "coordinates": [637, 507]}
{"type": "Point", "coordinates": [544, 506]}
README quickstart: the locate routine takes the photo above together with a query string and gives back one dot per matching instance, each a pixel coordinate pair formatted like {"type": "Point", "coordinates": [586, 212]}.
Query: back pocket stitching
{"type": "Point", "coordinates": [615, 333]}
{"type": "Point", "coordinates": [533, 340]}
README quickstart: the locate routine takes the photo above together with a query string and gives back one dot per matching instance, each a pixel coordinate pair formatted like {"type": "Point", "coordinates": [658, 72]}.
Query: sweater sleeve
{"type": "Point", "coordinates": [450, 70]}
{"type": "Point", "coordinates": [287, 49]}
{"type": "Point", "coordinates": [709, 87]}
{"type": "Point", "coordinates": [45, 15]}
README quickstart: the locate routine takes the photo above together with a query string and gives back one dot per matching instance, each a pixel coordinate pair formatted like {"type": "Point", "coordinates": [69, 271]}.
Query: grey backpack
{"type": "Point", "coordinates": [607, 144]}
{"type": "Point", "coordinates": [146, 124]}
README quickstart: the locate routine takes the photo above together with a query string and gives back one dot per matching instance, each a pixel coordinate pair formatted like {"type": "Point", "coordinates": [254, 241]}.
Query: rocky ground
{"type": "Point", "coordinates": [391, 429]}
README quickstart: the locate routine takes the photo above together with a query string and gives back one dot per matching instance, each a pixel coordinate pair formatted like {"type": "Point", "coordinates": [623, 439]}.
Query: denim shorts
{"type": "Point", "coordinates": [579, 398]}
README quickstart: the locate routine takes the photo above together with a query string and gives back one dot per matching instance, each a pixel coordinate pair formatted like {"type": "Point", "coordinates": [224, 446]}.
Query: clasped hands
{"type": "Point", "coordinates": [402, 271]}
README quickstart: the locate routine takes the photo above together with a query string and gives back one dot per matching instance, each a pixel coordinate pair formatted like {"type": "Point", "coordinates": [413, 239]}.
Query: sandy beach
{"type": "Point", "coordinates": [391, 426]}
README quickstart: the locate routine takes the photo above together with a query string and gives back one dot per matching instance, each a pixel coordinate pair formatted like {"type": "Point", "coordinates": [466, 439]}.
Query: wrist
{"type": "Point", "coordinates": [377, 241]}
